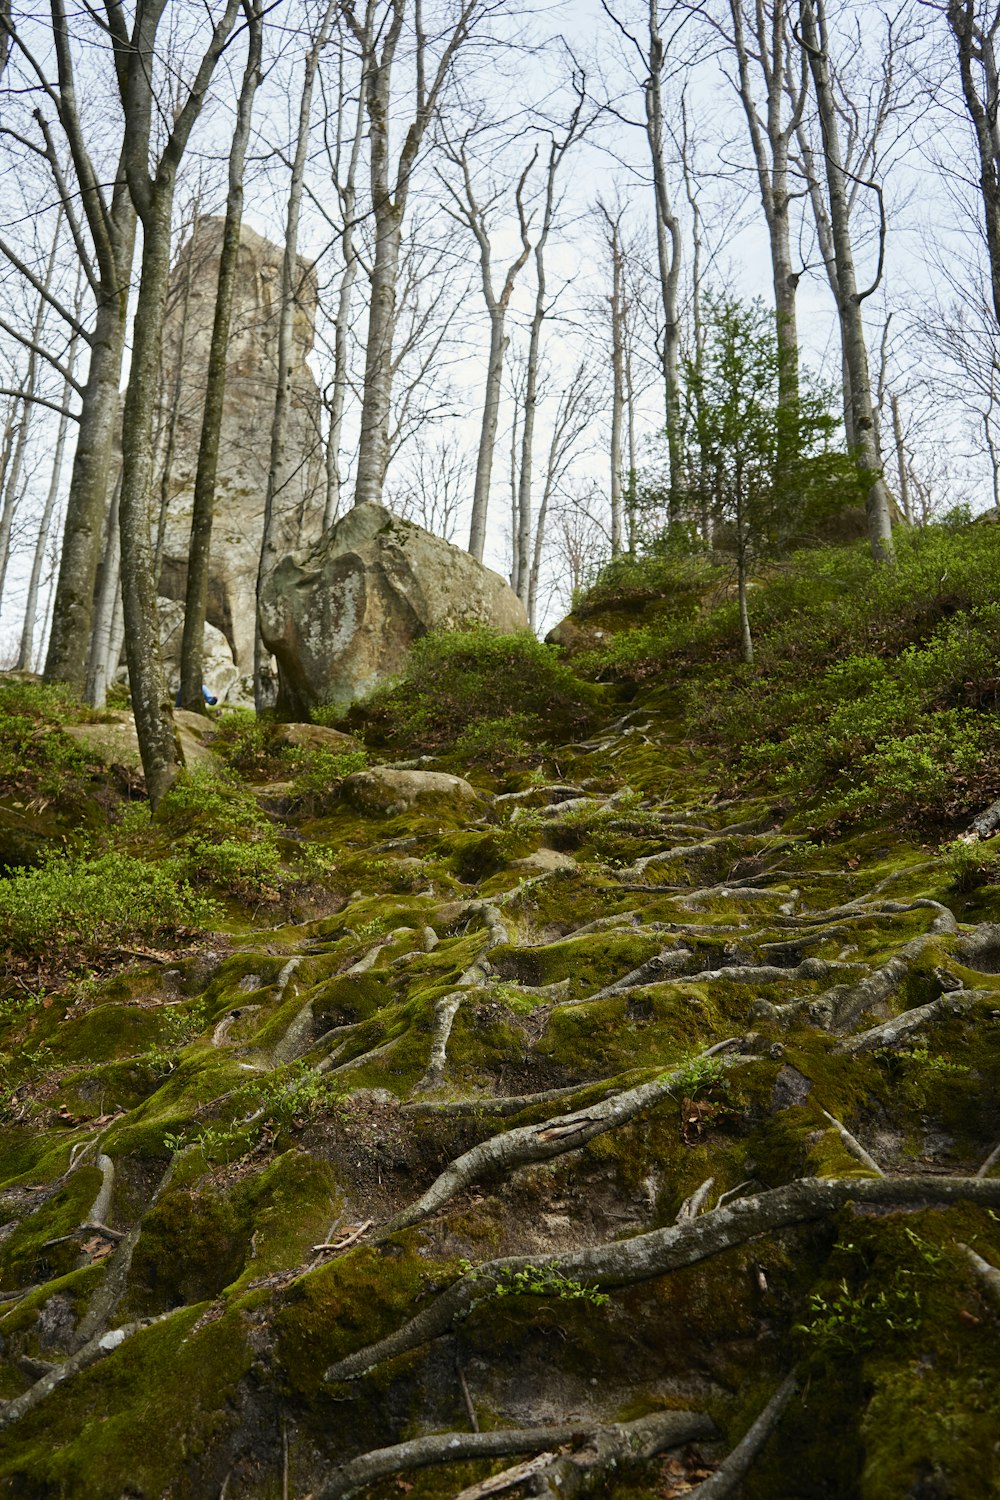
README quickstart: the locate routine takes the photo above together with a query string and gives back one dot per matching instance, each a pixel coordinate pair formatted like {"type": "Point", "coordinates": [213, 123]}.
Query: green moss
{"type": "Point", "coordinates": [43, 1246]}
{"type": "Point", "coordinates": [94, 1434]}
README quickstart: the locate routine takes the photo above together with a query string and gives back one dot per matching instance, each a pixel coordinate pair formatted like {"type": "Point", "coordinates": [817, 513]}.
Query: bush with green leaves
{"type": "Point", "coordinates": [456, 680]}
{"type": "Point", "coordinates": [36, 759]}
{"type": "Point", "coordinates": [84, 908]}
{"type": "Point", "coordinates": [874, 690]}
{"type": "Point", "coordinates": [318, 775]}
{"type": "Point", "coordinates": [221, 834]}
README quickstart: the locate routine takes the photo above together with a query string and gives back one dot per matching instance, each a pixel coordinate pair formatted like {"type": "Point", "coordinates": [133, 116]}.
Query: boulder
{"type": "Point", "coordinates": [315, 737]}
{"type": "Point", "coordinates": [341, 616]}
{"type": "Point", "coordinates": [116, 743]}
{"type": "Point", "coordinates": [245, 440]}
{"type": "Point", "coordinates": [220, 672]}
{"type": "Point", "coordinates": [381, 792]}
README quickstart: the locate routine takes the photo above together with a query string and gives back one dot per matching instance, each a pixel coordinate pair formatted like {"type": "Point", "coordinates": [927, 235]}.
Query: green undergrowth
{"type": "Point", "coordinates": [486, 698]}
{"type": "Point", "coordinates": [873, 690]}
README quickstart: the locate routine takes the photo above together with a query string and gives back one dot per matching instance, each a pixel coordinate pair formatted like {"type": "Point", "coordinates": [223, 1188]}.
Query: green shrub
{"type": "Point", "coordinates": [246, 743]}
{"type": "Point", "coordinates": [221, 835]}
{"type": "Point", "coordinates": [874, 690]}
{"type": "Point", "coordinates": [87, 907]}
{"type": "Point", "coordinates": [456, 679]}
{"type": "Point", "coordinates": [319, 774]}
{"type": "Point", "coordinates": [36, 759]}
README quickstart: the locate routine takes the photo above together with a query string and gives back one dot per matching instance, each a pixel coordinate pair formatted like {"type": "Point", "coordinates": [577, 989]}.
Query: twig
{"type": "Point", "coordinates": [735, 1468]}
{"type": "Point", "coordinates": [853, 1145]}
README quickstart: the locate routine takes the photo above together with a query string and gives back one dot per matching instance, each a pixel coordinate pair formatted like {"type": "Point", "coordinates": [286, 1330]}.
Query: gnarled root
{"type": "Point", "coordinates": [736, 1467]}
{"type": "Point", "coordinates": [603, 1448]}
{"type": "Point", "coordinates": [649, 1255]}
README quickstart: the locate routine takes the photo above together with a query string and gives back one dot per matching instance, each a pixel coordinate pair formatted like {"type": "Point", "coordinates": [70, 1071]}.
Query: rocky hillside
{"type": "Point", "coordinates": [603, 1097]}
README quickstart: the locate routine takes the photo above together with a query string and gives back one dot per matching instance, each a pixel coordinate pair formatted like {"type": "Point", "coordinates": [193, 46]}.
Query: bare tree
{"type": "Point", "coordinates": [521, 577]}
{"type": "Point", "coordinates": [276, 475]}
{"type": "Point", "coordinates": [613, 241]}
{"type": "Point", "coordinates": [652, 52]}
{"type": "Point", "coordinates": [378, 33]}
{"type": "Point", "coordinates": [432, 486]}
{"type": "Point", "coordinates": [347, 193]}
{"type": "Point", "coordinates": [771, 81]}
{"type": "Point", "coordinates": [575, 412]}
{"type": "Point", "coordinates": [474, 214]}
{"type": "Point", "coordinates": [151, 185]}
{"type": "Point", "coordinates": [25, 408]}
{"type": "Point", "coordinates": [849, 298]}
{"type": "Point", "coordinates": [203, 501]}
{"type": "Point", "coordinates": [974, 27]}
{"type": "Point", "coordinates": [26, 651]}
{"type": "Point", "coordinates": [110, 221]}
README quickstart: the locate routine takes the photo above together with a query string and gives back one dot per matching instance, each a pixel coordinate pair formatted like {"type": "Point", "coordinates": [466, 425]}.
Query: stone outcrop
{"type": "Point", "coordinates": [244, 451]}
{"type": "Point", "coordinates": [383, 792]}
{"type": "Point", "coordinates": [341, 616]}
{"type": "Point", "coordinates": [220, 671]}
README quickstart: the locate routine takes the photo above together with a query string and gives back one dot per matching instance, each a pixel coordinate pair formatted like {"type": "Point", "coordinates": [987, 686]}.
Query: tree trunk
{"type": "Point", "coordinates": [86, 504]}
{"type": "Point", "coordinates": [903, 469]}
{"type": "Point", "coordinates": [848, 302]}
{"type": "Point", "coordinates": [203, 502]}
{"type": "Point", "coordinates": [26, 653]}
{"type": "Point", "coordinates": [975, 45]}
{"type": "Point", "coordinates": [342, 322]}
{"type": "Point", "coordinates": [103, 658]}
{"type": "Point", "coordinates": [617, 389]}
{"type": "Point", "coordinates": [150, 699]}
{"type": "Point", "coordinates": [166, 462]}
{"type": "Point", "coordinates": [373, 452]}
{"type": "Point", "coordinates": [488, 435]}
{"type": "Point", "coordinates": [746, 639]}
{"type": "Point", "coordinates": [668, 251]}
{"type": "Point", "coordinates": [276, 475]}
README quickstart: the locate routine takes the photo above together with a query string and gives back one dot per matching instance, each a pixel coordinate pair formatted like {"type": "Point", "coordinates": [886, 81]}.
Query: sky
{"type": "Point", "coordinates": [923, 163]}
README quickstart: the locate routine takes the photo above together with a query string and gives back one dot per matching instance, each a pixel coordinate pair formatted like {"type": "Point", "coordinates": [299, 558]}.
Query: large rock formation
{"type": "Point", "coordinates": [341, 615]}
{"type": "Point", "coordinates": [246, 426]}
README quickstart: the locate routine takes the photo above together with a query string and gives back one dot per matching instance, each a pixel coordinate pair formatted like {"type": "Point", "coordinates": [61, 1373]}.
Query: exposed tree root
{"type": "Point", "coordinates": [670, 961]}
{"type": "Point", "coordinates": [111, 1290]}
{"type": "Point", "coordinates": [853, 1145]}
{"type": "Point", "coordinates": [445, 1011]}
{"type": "Point", "coordinates": [532, 1143]}
{"type": "Point", "coordinates": [734, 1469]}
{"type": "Point", "coordinates": [988, 1275]}
{"type": "Point", "coordinates": [101, 1206]}
{"type": "Point", "coordinates": [889, 1033]}
{"type": "Point", "coordinates": [603, 1448]}
{"type": "Point", "coordinates": [88, 1354]}
{"type": "Point", "coordinates": [653, 1254]}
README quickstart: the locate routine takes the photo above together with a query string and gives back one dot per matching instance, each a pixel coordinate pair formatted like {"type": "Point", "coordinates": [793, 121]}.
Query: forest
{"type": "Point", "coordinates": [499, 749]}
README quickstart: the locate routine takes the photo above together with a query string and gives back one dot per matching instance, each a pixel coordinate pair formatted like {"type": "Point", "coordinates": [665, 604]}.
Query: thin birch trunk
{"type": "Point", "coordinates": [203, 502]}
{"type": "Point", "coordinates": [771, 140]}
{"type": "Point", "coordinates": [101, 666]}
{"type": "Point", "coordinates": [26, 652]}
{"type": "Point", "coordinates": [901, 464]}
{"type": "Point", "coordinates": [473, 216]}
{"type": "Point", "coordinates": [668, 249]}
{"type": "Point", "coordinates": [276, 475]}
{"type": "Point", "coordinates": [342, 321]}
{"type": "Point", "coordinates": [617, 377]}
{"type": "Point", "coordinates": [848, 301]}
{"type": "Point", "coordinates": [523, 532]}
{"type": "Point", "coordinates": [166, 462]}
{"type": "Point", "coordinates": [12, 488]}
